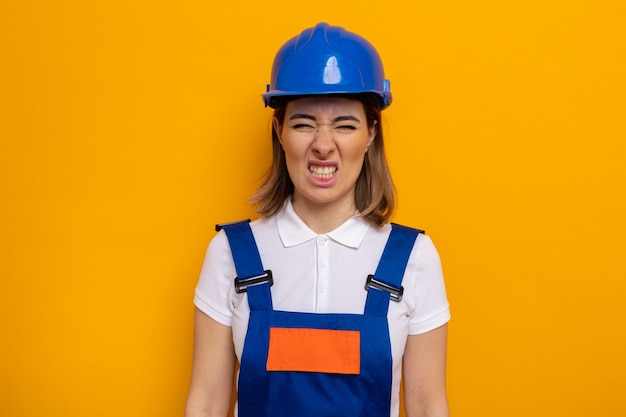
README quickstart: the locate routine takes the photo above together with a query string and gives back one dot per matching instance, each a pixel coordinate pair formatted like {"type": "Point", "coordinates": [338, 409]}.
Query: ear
{"type": "Point", "coordinates": [373, 131]}
{"type": "Point", "coordinates": [278, 129]}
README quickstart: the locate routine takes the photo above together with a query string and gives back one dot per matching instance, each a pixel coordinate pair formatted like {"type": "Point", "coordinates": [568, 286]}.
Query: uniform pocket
{"type": "Point", "coordinates": [314, 350]}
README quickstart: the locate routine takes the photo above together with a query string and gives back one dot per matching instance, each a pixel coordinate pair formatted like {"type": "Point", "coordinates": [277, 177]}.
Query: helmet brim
{"type": "Point", "coordinates": [277, 98]}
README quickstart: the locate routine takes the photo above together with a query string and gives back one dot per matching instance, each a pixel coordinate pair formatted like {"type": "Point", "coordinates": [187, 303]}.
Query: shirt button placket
{"type": "Point", "coordinates": [322, 272]}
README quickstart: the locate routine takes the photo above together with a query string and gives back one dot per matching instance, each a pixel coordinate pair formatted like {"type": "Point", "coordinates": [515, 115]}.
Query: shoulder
{"type": "Point", "coordinates": [423, 244]}
{"type": "Point", "coordinates": [423, 253]}
{"type": "Point", "coordinates": [262, 229]}
{"type": "Point", "coordinates": [403, 234]}
{"type": "Point", "coordinates": [425, 249]}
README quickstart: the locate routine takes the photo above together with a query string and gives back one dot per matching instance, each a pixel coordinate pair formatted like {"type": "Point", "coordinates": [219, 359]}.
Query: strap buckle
{"type": "Point", "coordinates": [395, 294]}
{"type": "Point", "coordinates": [241, 285]}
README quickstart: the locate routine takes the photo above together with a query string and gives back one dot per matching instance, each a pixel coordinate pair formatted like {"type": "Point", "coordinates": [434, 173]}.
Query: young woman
{"type": "Point", "coordinates": [325, 305]}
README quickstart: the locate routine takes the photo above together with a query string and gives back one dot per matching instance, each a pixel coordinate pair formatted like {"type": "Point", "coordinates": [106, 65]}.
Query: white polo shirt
{"type": "Point", "coordinates": [326, 273]}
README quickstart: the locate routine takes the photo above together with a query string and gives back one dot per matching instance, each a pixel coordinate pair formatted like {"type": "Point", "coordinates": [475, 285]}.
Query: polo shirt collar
{"type": "Point", "coordinates": [293, 231]}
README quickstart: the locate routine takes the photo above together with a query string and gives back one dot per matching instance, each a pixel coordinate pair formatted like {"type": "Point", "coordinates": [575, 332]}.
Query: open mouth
{"type": "Point", "coordinates": [322, 172]}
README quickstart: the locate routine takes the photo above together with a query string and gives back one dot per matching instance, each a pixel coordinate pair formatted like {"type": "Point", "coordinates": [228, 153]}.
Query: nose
{"type": "Point", "coordinates": [324, 142]}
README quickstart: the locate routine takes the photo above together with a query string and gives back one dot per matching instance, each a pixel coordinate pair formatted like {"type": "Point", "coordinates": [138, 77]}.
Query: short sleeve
{"type": "Point", "coordinates": [431, 308]}
{"type": "Point", "coordinates": [215, 285]}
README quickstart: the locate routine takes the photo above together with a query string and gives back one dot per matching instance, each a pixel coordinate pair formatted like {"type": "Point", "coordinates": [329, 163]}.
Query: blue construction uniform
{"type": "Point", "coordinates": [275, 381]}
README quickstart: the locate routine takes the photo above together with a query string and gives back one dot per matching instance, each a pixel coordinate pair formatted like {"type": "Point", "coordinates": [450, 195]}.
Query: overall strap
{"type": "Point", "coordinates": [251, 277]}
{"type": "Point", "coordinates": [386, 282]}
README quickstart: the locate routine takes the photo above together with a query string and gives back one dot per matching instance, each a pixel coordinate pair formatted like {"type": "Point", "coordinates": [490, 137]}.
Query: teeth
{"type": "Point", "coordinates": [322, 172]}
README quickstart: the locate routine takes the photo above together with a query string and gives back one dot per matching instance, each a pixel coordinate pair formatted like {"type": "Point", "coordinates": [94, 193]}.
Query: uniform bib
{"type": "Point", "coordinates": [317, 365]}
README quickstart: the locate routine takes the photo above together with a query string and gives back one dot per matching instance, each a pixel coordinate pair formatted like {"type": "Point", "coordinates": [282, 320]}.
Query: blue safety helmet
{"type": "Point", "coordinates": [327, 60]}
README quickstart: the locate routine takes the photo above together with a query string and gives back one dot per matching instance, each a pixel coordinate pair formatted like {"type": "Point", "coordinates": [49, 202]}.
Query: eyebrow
{"type": "Point", "coordinates": [311, 117]}
{"type": "Point", "coordinates": [302, 116]}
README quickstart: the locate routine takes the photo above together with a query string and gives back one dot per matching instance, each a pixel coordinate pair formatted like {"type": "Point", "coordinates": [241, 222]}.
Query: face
{"type": "Point", "coordinates": [325, 140]}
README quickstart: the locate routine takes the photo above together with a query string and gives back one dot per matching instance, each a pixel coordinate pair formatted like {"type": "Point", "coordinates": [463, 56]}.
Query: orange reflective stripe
{"type": "Point", "coordinates": [314, 350]}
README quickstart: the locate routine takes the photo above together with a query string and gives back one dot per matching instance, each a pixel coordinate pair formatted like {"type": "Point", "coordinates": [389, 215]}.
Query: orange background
{"type": "Point", "coordinates": [128, 128]}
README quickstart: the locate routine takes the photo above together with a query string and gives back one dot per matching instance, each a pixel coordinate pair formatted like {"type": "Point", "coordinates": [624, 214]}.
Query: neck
{"type": "Point", "coordinates": [323, 218]}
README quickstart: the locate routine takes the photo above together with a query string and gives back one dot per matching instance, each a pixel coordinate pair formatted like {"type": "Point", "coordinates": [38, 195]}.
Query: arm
{"type": "Point", "coordinates": [213, 368]}
{"type": "Point", "coordinates": [424, 374]}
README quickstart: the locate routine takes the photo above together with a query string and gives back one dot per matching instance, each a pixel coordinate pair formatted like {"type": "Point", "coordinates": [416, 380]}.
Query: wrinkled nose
{"type": "Point", "coordinates": [324, 142]}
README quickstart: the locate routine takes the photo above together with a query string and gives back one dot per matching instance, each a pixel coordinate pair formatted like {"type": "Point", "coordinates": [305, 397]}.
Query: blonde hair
{"type": "Point", "coordinates": [374, 195]}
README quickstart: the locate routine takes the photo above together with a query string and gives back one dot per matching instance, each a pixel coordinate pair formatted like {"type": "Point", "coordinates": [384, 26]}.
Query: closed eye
{"type": "Point", "coordinates": [345, 128]}
{"type": "Point", "coordinates": [303, 127]}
